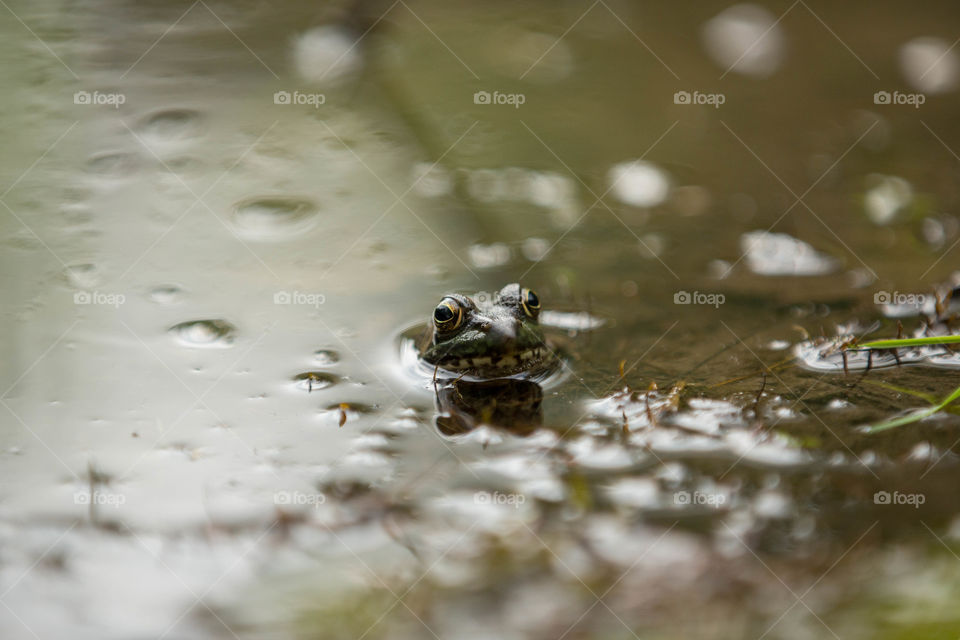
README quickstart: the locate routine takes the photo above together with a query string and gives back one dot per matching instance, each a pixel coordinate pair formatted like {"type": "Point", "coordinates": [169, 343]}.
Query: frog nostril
{"type": "Point", "coordinates": [485, 326]}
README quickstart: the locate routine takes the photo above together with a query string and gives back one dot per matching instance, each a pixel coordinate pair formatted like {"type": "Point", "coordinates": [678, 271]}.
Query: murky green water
{"type": "Point", "coordinates": [219, 220]}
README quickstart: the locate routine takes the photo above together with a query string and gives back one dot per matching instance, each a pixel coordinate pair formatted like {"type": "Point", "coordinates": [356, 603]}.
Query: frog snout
{"type": "Point", "coordinates": [502, 334]}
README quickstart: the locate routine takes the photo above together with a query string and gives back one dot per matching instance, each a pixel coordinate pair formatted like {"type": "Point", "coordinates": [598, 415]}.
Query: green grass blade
{"type": "Point", "coordinates": [907, 342]}
{"type": "Point", "coordinates": [915, 416]}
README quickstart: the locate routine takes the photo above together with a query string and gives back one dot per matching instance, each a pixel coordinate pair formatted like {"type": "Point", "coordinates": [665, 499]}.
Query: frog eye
{"type": "Point", "coordinates": [530, 302]}
{"type": "Point", "coordinates": [447, 315]}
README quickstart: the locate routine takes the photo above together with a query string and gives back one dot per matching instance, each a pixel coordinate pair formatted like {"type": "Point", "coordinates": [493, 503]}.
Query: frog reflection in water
{"type": "Point", "coordinates": [493, 348]}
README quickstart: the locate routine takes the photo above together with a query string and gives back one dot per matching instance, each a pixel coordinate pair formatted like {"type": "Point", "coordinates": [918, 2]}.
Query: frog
{"type": "Point", "coordinates": [488, 339]}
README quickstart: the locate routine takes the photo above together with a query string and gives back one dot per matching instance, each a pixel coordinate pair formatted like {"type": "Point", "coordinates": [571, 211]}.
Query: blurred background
{"type": "Point", "coordinates": [219, 219]}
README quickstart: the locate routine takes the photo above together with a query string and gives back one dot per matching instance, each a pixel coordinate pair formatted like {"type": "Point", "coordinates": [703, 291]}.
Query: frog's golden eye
{"type": "Point", "coordinates": [530, 302]}
{"type": "Point", "coordinates": [448, 315]}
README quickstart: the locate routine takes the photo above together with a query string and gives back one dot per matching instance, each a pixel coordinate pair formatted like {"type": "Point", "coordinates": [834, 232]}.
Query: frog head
{"type": "Point", "coordinates": [488, 338]}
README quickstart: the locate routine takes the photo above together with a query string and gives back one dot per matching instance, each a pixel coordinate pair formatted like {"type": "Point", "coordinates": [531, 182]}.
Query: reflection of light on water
{"type": "Point", "coordinates": [570, 320]}
{"type": "Point", "coordinates": [325, 54]}
{"type": "Point", "coordinates": [930, 64]}
{"type": "Point", "coordinates": [887, 196]}
{"type": "Point", "coordinates": [485, 256]}
{"type": "Point", "coordinates": [430, 180]}
{"type": "Point", "coordinates": [539, 188]}
{"type": "Point", "coordinates": [777, 254]}
{"type": "Point", "coordinates": [638, 183]}
{"type": "Point", "coordinates": [534, 249]}
{"type": "Point", "coordinates": [745, 38]}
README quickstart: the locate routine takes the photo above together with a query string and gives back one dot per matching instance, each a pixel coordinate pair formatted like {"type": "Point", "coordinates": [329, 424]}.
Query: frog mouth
{"type": "Point", "coordinates": [508, 361]}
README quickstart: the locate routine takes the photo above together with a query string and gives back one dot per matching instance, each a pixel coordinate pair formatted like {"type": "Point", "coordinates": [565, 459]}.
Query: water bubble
{"type": "Point", "coordinates": [166, 294]}
{"type": "Point", "coordinates": [326, 357]}
{"type": "Point", "coordinates": [83, 276]}
{"type": "Point", "coordinates": [274, 217]}
{"type": "Point", "coordinates": [113, 164]}
{"type": "Point", "coordinates": [314, 380]}
{"type": "Point", "coordinates": [204, 333]}
{"type": "Point", "coordinates": [170, 125]}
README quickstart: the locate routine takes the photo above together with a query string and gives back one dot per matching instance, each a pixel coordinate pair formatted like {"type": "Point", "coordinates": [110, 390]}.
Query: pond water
{"type": "Point", "coordinates": [225, 224]}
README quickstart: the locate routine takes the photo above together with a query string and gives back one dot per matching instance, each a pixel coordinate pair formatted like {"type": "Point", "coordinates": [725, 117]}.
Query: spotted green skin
{"type": "Point", "coordinates": [495, 339]}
